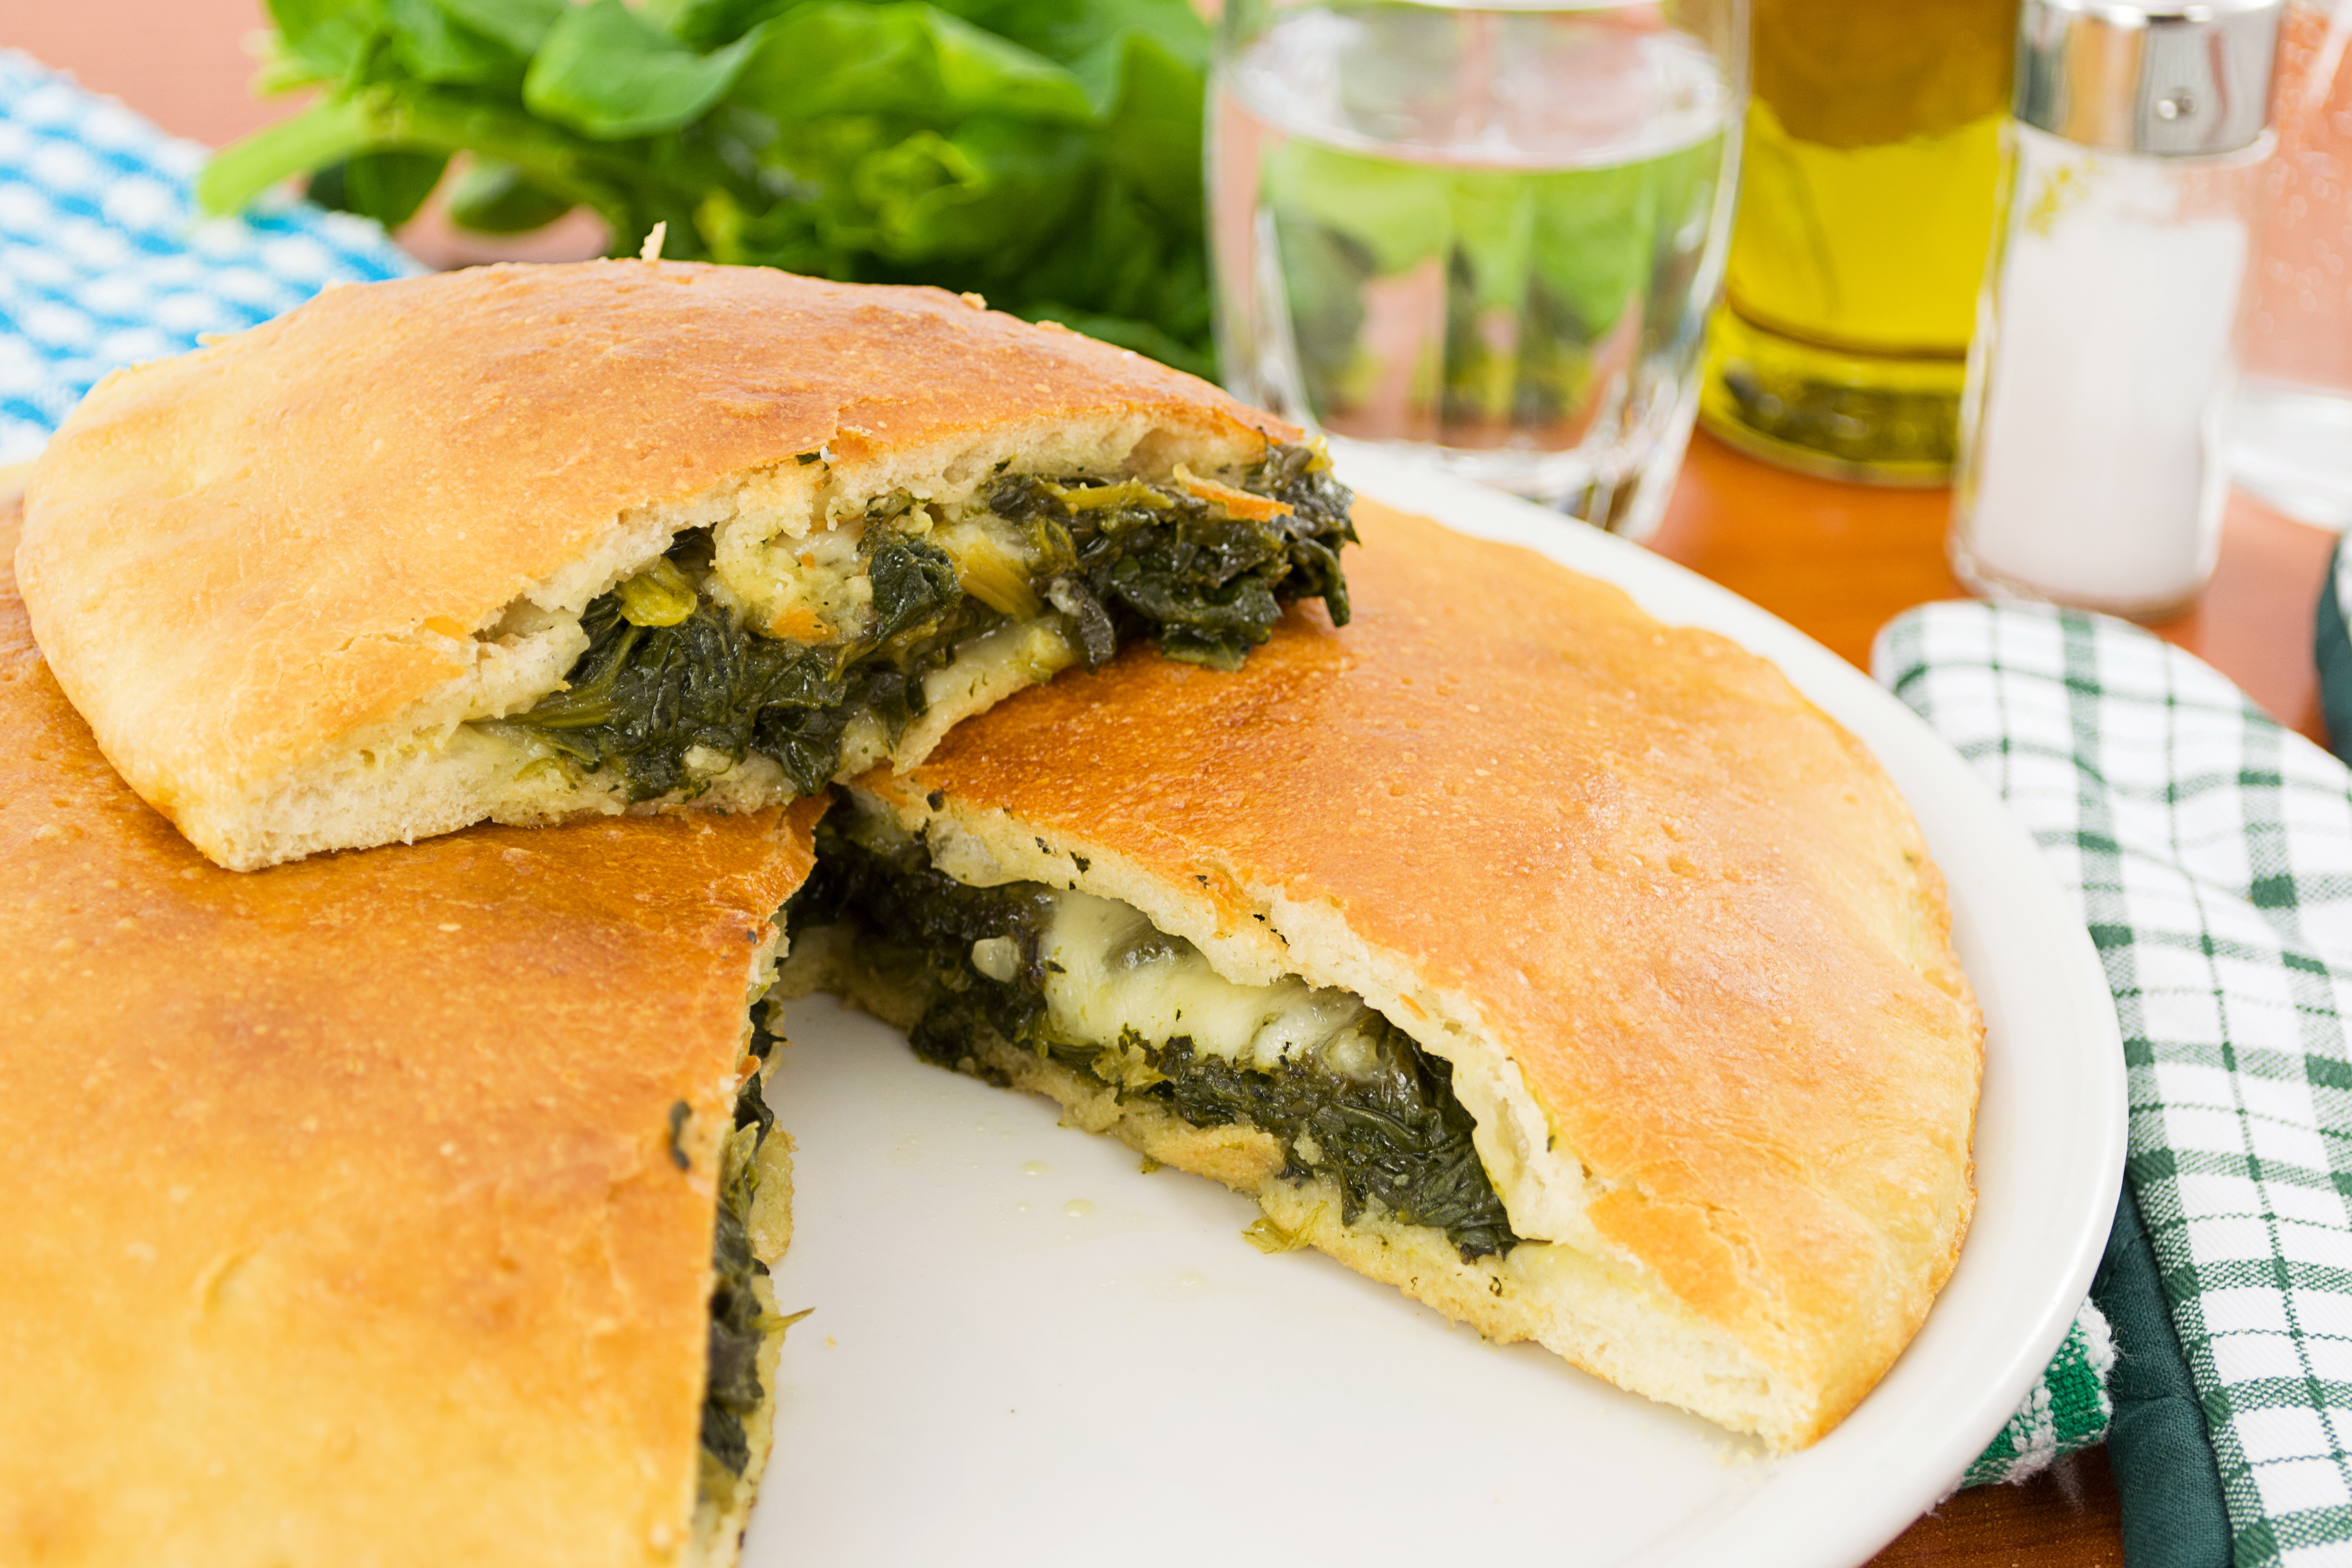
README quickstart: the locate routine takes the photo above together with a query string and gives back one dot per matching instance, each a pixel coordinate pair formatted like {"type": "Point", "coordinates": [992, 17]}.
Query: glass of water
{"type": "Point", "coordinates": [1487, 234]}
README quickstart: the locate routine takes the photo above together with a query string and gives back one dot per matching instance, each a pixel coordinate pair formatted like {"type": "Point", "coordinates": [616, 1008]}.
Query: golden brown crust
{"type": "Point", "coordinates": [342, 1221]}
{"type": "Point", "coordinates": [238, 557]}
{"type": "Point", "coordinates": [1686, 904]}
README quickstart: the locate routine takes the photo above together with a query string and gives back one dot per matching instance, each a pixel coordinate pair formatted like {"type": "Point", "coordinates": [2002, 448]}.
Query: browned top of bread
{"type": "Point", "coordinates": [233, 556]}
{"type": "Point", "coordinates": [1688, 904]}
{"type": "Point", "coordinates": [343, 1221]}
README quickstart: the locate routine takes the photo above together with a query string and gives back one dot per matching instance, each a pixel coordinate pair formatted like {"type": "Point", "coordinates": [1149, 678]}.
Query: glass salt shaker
{"type": "Point", "coordinates": [2091, 465]}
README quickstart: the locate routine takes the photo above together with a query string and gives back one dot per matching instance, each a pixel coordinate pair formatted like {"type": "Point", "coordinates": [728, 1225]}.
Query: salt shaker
{"type": "Point", "coordinates": [2091, 468]}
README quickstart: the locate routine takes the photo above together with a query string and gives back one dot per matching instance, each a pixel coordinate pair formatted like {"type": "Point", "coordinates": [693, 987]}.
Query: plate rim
{"type": "Point", "coordinates": [1838, 1503]}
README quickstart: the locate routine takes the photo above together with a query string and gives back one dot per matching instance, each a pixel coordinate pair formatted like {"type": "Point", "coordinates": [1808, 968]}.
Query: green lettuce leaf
{"type": "Point", "coordinates": [492, 198]}
{"type": "Point", "coordinates": [521, 25]}
{"type": "Point", "coordinates": [435, 45]}
{"type": "Point", "coordinates": [324, 134]}
{"type": "Point", "coordinates": [321, 40]}
{"type": "Point", "coordinates": [608, 72]}
{"type": "Point", "coordinates": [1090, 36]}
{"type": "Point", "coordinates": [838, 56]}
{"type": "Point", "coordinates": [1153, 132]}
{"type": "Point", "coordinates": [387, 186]}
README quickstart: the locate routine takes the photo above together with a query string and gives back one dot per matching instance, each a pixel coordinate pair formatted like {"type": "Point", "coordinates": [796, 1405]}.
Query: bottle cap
{"type": "Point", "coordinates": [2170, 79]}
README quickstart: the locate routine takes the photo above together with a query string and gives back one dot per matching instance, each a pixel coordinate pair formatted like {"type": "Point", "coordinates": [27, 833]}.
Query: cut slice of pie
{"type": "Point", "coordinates": [403, 1209]}
{"type": "Point", "coordinates": [526, 543]}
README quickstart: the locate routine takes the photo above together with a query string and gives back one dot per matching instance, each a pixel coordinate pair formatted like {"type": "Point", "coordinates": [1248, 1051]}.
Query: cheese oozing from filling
{"type": "Point", "coordinates": [1109, 970]}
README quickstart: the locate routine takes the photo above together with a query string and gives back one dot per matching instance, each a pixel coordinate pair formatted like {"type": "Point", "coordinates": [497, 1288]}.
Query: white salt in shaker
{"type": "Point", "coordinates": [2090, 468]}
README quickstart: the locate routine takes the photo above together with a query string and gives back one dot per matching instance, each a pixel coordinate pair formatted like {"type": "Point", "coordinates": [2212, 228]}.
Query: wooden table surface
{"type": "Point", "coordinates": [1837, 560]}
{"type": "Point", "coordinates": [1834, 559]}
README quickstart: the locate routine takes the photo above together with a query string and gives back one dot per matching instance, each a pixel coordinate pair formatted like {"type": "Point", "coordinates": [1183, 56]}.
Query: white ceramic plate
{"type": "Point", "coordinates": [1024, 1351]}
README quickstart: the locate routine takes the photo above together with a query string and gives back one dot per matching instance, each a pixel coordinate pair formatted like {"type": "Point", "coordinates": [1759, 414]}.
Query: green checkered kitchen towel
{"type": "Point", "coordinates": [2066, 1410]}
{"type": "Point", "coordinates": [2211, 851]}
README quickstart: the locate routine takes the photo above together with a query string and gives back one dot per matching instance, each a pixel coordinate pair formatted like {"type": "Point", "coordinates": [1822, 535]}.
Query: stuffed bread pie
{"type": "Point", "coordinates": [407, 1208]}
{"type": "Point", "coordinates": [1567, 970]}
{"type": "Point", "coordinates": [530, 542]}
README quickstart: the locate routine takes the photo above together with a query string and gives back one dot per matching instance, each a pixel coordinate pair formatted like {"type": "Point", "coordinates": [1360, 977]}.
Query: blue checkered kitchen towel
{"type": "Point", "coordinates": [103, 262]}
{"type": "Point", "coordinates": [2211, 853]}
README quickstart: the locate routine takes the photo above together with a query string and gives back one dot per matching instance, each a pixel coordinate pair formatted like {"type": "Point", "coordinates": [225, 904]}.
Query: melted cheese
{"type": "Point", "coordinates": [1118, 972]}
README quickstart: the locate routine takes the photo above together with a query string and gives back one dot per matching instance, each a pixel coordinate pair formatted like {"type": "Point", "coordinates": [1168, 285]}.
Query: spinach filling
{"type": "Point", "coordinates": [1396, 1134]}
{"type": "Point", "coordinates": [670, 670]}
{"type": "Point", "coordinates": [734, 1389]}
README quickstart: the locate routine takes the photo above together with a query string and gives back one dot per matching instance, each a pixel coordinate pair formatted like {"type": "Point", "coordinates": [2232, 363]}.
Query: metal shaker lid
{"type": "Point", "coordinates": [2166, 76]}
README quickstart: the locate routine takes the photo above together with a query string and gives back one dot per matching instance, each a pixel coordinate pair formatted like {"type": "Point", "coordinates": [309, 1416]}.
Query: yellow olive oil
{"type": "Point", "coordinates": [1866, 208]}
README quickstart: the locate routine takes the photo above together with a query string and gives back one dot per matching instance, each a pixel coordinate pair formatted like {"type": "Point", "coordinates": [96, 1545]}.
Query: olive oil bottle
{"type": "Point", "coordinates": [1865, 210]}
